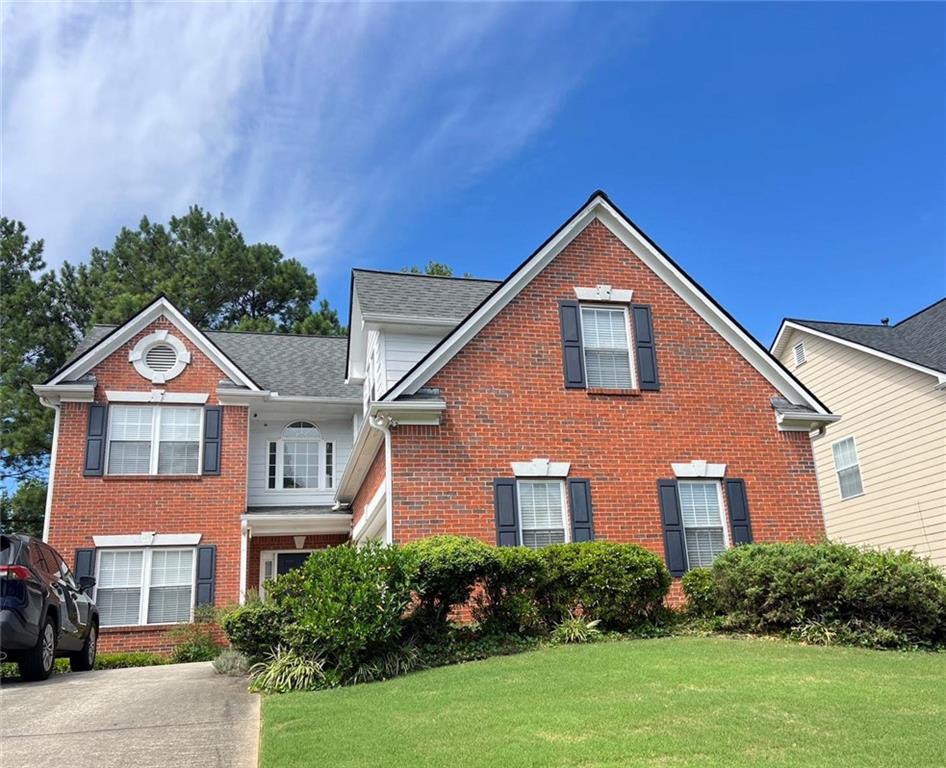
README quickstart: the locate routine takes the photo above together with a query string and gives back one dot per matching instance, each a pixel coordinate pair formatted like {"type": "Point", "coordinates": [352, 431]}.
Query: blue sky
{"type": "Point", "coordinates": [791, 157]}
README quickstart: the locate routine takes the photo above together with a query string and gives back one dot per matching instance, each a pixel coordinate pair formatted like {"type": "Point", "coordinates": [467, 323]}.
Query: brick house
{"type": "Point", "coordinates": [596, 392]}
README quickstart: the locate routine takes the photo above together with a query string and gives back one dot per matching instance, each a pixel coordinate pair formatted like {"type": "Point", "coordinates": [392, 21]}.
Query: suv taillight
{"type": "Point", "coordinates": [18, 572]}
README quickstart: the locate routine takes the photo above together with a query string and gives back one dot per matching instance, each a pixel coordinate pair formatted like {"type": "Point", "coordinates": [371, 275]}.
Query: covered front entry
{"type": "Point", "coordinates": [275, 541]}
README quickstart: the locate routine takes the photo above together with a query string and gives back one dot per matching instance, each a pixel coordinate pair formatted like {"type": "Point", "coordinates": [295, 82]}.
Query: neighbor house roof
{"type": "Point", "coordinates": [919, 339]}
{"type": "Point", "coordinates": [291, 365]}
{"type": "Point", "coordinates": [392, 295]}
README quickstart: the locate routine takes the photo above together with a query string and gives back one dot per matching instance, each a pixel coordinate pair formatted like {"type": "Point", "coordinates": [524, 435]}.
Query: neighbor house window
{"type": "Point", "coordinates": [154, 440]}
{"type": "Point", "coordinates": [145, 586]}
{"type": "Point", "coordinates": [703, 528]}
{"type": "Point", "coordinates": [296, 460]}
{"type": "Point", "coordinates": [541, 512]}
{"type": "Point", "coordinates": [847, 467]}
{"type": "Point", "coordinates": [607, 350]}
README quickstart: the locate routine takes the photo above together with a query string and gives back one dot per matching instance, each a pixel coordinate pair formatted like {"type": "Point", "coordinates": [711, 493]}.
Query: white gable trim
{"type": "Point", "coordinates": [158, 308]}
{"type": "Point", "coordinates": [788, 326]}
{"type": "Point", "coordinates": [599, 207]}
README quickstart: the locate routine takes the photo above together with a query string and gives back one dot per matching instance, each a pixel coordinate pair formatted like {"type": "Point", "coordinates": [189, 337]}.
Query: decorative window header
{"type": "Point", "coordinates": [540, 468]}
{"type": "Point", "coordinates": [604, 293]}
{"type": "Point", "coordinates": [159, 357]}
{"type": "Point", "coordinates": [699, 468]}
{"type": "Point", "coordinates": [148, 539]}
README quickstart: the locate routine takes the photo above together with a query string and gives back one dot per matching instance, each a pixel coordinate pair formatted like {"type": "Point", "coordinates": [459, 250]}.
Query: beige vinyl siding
{"type": "Point", "coordinates": [898, 421]}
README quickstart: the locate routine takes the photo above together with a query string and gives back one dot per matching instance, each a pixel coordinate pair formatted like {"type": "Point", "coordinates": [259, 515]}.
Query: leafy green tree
{"type": "Point", "coordinates": [436, 268]}
{"type": "Point", "coordinates": [23, 511]}
{"type": "Point", "coordinates": [34, 341]}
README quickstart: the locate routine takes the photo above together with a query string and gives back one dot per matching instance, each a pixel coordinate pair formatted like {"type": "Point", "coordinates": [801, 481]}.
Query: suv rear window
{"type": "Point", "coordinates": [8, 550]}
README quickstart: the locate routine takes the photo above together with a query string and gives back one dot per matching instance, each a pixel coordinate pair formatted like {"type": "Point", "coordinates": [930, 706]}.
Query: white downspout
{"type": "Point", "coordinates": [52, 469]}
{"type": "Point", "coordinates": [383, 424]}
{"type": "Point", "coordinates": [244, 541]}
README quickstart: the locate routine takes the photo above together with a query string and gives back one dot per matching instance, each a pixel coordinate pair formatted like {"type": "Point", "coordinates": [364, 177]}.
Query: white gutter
{"type": "Point", "coordinates": [51, 394]}
{"type": "Point", "coordinates": [52, 471]}
{"type": "Point", "coordinates": [383, 424]}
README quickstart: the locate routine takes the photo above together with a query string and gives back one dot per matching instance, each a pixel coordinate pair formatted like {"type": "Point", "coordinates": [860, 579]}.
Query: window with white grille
{"type": "Point", "coordinates": [145, 586]}
{"type": "Point", "coordinates": [604, 332]}
{"type": "Point", "coordinates": [541, 512]}
{"type": "Point", "coordinates": [154, 440]}
{"type": "Point", "coordinates": [300, 459]}
{"type": "Point", "coordinates": [848, 468]}
{"type": "Point", "coordinates": [800, 354]}
{"type": "Point", "coordinates": [703, 528]}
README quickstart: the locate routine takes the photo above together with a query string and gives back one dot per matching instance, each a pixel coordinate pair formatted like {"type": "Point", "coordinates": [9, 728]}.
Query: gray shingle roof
{"type": "Point", "coordinates": [310, 366]}
{"type": "Point", "coordinates": [407, 295]}
{"type": "Point", "coordinates": [920, 339]}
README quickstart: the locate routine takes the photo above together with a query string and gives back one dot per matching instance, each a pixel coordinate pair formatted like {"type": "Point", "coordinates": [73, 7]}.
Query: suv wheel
{"type": "Point", "coordinates": [84, 660]}
{"type": "Point", "coordinates": [37, 663]}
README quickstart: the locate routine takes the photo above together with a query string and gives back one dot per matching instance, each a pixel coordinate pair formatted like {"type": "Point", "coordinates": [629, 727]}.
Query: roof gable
{"type": "Point", "coordinates": [600, 208]}
{"type": "Point", "coordinates": [112, 340]}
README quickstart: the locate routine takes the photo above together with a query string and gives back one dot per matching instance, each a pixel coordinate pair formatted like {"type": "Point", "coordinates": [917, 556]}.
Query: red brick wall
{"type": "Point", "coordinates": [369, 486]}
{"type": "Point", "coordinates": [506, 402]}
{"type": "Point", "coordinates": [87, 506]}
{"type": "Point", "coordinates": [260, 543]}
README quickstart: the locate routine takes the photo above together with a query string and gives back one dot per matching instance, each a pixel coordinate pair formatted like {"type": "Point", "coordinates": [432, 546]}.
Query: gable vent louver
{"type": "Point", "coordinates": [801, 355]}
{"type": "Point", "coordinates": [161, 358]}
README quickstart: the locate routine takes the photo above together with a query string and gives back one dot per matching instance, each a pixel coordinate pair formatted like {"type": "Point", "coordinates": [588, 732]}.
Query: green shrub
{"type": "Point", "coordinates": [506, 602]}
{"type": "Point", "coordinates": [397, 661]}
{"type": "Point", "coordinates": [196, 641]}
{"type": "Point", "coordinates": [345, 604]}
{"type": "Point", "coordinates": [576, 629]}
{"type": "Point", "coordinates": [255, 629]}
{"type": "Point", "coordinates": [128, 659]}
{"type": "Point", "coordinates": [699, 586]}
{"type": "Point", "coordinates": [462, 644]}
{"type": "Point", "coordinates": [622, 585]}
{"type": "Point", "coordinates": [893, 597]}
{"type": "Point", "coordinates": [446, 570]}
{"type": "Point", "coordinates": [288, 670]}
{"type": "Point", "coordinates": [231, 663]}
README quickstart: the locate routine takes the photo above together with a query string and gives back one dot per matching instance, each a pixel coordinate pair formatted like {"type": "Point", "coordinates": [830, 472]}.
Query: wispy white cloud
{"type": "Point", "coordinates": [312, 125]}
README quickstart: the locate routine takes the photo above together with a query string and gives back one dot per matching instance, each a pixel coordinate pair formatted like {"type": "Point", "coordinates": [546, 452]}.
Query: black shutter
{"type": "Point", "coordinates": [85, 563]}
{"type": "Point", "coordinates": [213, 431]}
{"type": "Point", "coordinates": [579, 497]}
{"type": "Point", "coordinates": [646, 352]}
{"type": "Point", "coordinates": [507, 512]}
{"type": "Point", "coordinates": [206, 566]}
{"type": "Point", "coordinates": [674, 542]}
{"type": "Point", "coordinates": [572, 358]}
{"type": "Point", "coordinates": [738, 512]}
{"type": "Point", "coordinates": [95, 441]}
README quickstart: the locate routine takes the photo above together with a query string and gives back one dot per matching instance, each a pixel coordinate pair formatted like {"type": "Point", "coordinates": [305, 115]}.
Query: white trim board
{"type": "Point", "coordinates": [134, 325]}
{"type": "Point", "coordinates": [148, 539]}
{"type": "Point", "coordinates": [600, 208]}
{"type": "Point", "coordinates": [788, 325]}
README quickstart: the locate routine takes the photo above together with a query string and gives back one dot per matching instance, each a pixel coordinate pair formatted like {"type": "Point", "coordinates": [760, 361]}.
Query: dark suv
{"type": "Point", "coordinates": [44, 613]}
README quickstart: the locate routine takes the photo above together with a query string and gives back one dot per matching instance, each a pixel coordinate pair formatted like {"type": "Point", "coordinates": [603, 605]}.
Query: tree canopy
{"type": "Point", "coordinates": [435, 268]}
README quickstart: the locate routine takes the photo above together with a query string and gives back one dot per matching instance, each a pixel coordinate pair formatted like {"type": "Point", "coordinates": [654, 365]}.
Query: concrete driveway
{"type": "Point", "coordinates": [175, 715]}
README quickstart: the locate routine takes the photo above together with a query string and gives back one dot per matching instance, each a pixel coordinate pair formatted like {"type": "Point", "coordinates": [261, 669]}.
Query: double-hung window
{"type": "Point", "coordinates": [848, 468]}
{"type": "Point", "coordinates": [541, 512]}
{"type": "Point", "coordinates": [704, 531]}
{"type": "Point", "coordinates": [145, 586]}
{"type": "Point", "coordinates": [300, 459]}
{"type": "Point", "coordinates": [605, 339]}
{"type": "Point", "coordinates": [154, 440]}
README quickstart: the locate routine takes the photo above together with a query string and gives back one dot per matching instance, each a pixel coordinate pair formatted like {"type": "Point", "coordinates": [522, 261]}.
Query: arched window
{"type": "Point", "coordinates": [300, 459]}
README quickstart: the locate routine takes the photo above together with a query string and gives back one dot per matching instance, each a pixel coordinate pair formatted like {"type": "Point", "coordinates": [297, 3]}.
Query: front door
{"type": "Point", "coordinates": [288, 561]}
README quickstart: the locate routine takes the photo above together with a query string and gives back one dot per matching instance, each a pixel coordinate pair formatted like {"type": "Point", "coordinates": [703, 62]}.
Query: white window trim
{"type": "Point", "coordinates": [140, 351]}
{"type": "Point", "coordinates": [148, 539]}
{"type": "Point", "coordinates": [146, 583]}
{"type": "Point", "coordinates": [723, 516]}
{"type": "Point", "coordinates": [157, 396]}
{"type": "Point", "coordinates": [322, 479]}
{"type": "Point", "coordinates": [837, 469]}
{"type": "Point", "coordinates": [565, 511]}
{"type": "Point", "coordinates": [604, 293]}
{"type": "Point", "coordinates": [540, 468]}
{"type": "Point", "coordinates": [631, 350]}
{"type": "Point", "coordinates": [155, 444]}
{"type": "Point", "coordinates": [270, 555]}
{"type": "Point", "coordinates": [698, 468]}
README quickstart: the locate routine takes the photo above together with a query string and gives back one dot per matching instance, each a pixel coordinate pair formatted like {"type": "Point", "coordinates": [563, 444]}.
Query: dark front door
{"type": "Point", "coordinates": [287, 561]}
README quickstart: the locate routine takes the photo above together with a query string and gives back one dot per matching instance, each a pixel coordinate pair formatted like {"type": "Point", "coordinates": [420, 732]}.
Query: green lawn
{"type": "Point", "coordinates": [668, 702]}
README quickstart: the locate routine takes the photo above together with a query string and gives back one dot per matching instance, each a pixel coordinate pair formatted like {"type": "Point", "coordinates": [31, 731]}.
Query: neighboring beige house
{"type": "Point", "coordinates": [882, 467]}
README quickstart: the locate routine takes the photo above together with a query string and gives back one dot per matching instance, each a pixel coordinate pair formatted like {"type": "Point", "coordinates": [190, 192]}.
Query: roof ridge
{"type": "Point", "coordinates": [418, 274]}
{"type": "Point", "coordinates": [274, 333]}
{"type": "Point", "coordinates": [837, 322]}
{"type": "Point", "coordinates": [920, 312]}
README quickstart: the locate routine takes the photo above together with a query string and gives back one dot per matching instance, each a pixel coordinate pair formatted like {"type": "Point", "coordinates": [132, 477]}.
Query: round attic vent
{"type": "Point", "coordinates": [161, 358]}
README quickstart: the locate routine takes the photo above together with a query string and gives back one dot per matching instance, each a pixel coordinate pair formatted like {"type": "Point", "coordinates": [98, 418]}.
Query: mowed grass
{"type": "Point", "coordinates": [667, 702]}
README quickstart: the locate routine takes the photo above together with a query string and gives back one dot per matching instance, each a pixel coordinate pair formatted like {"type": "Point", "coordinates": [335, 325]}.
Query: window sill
{"type": "Point", "coordinates": [152, 478]}
{"type": "Point", "coordinates": [613, 392]}
{"type": "Point", "coordinates": [140, 628]}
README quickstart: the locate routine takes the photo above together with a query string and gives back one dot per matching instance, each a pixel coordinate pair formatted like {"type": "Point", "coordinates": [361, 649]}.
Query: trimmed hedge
{"type": "Point", "coordinates": [833, 589]}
